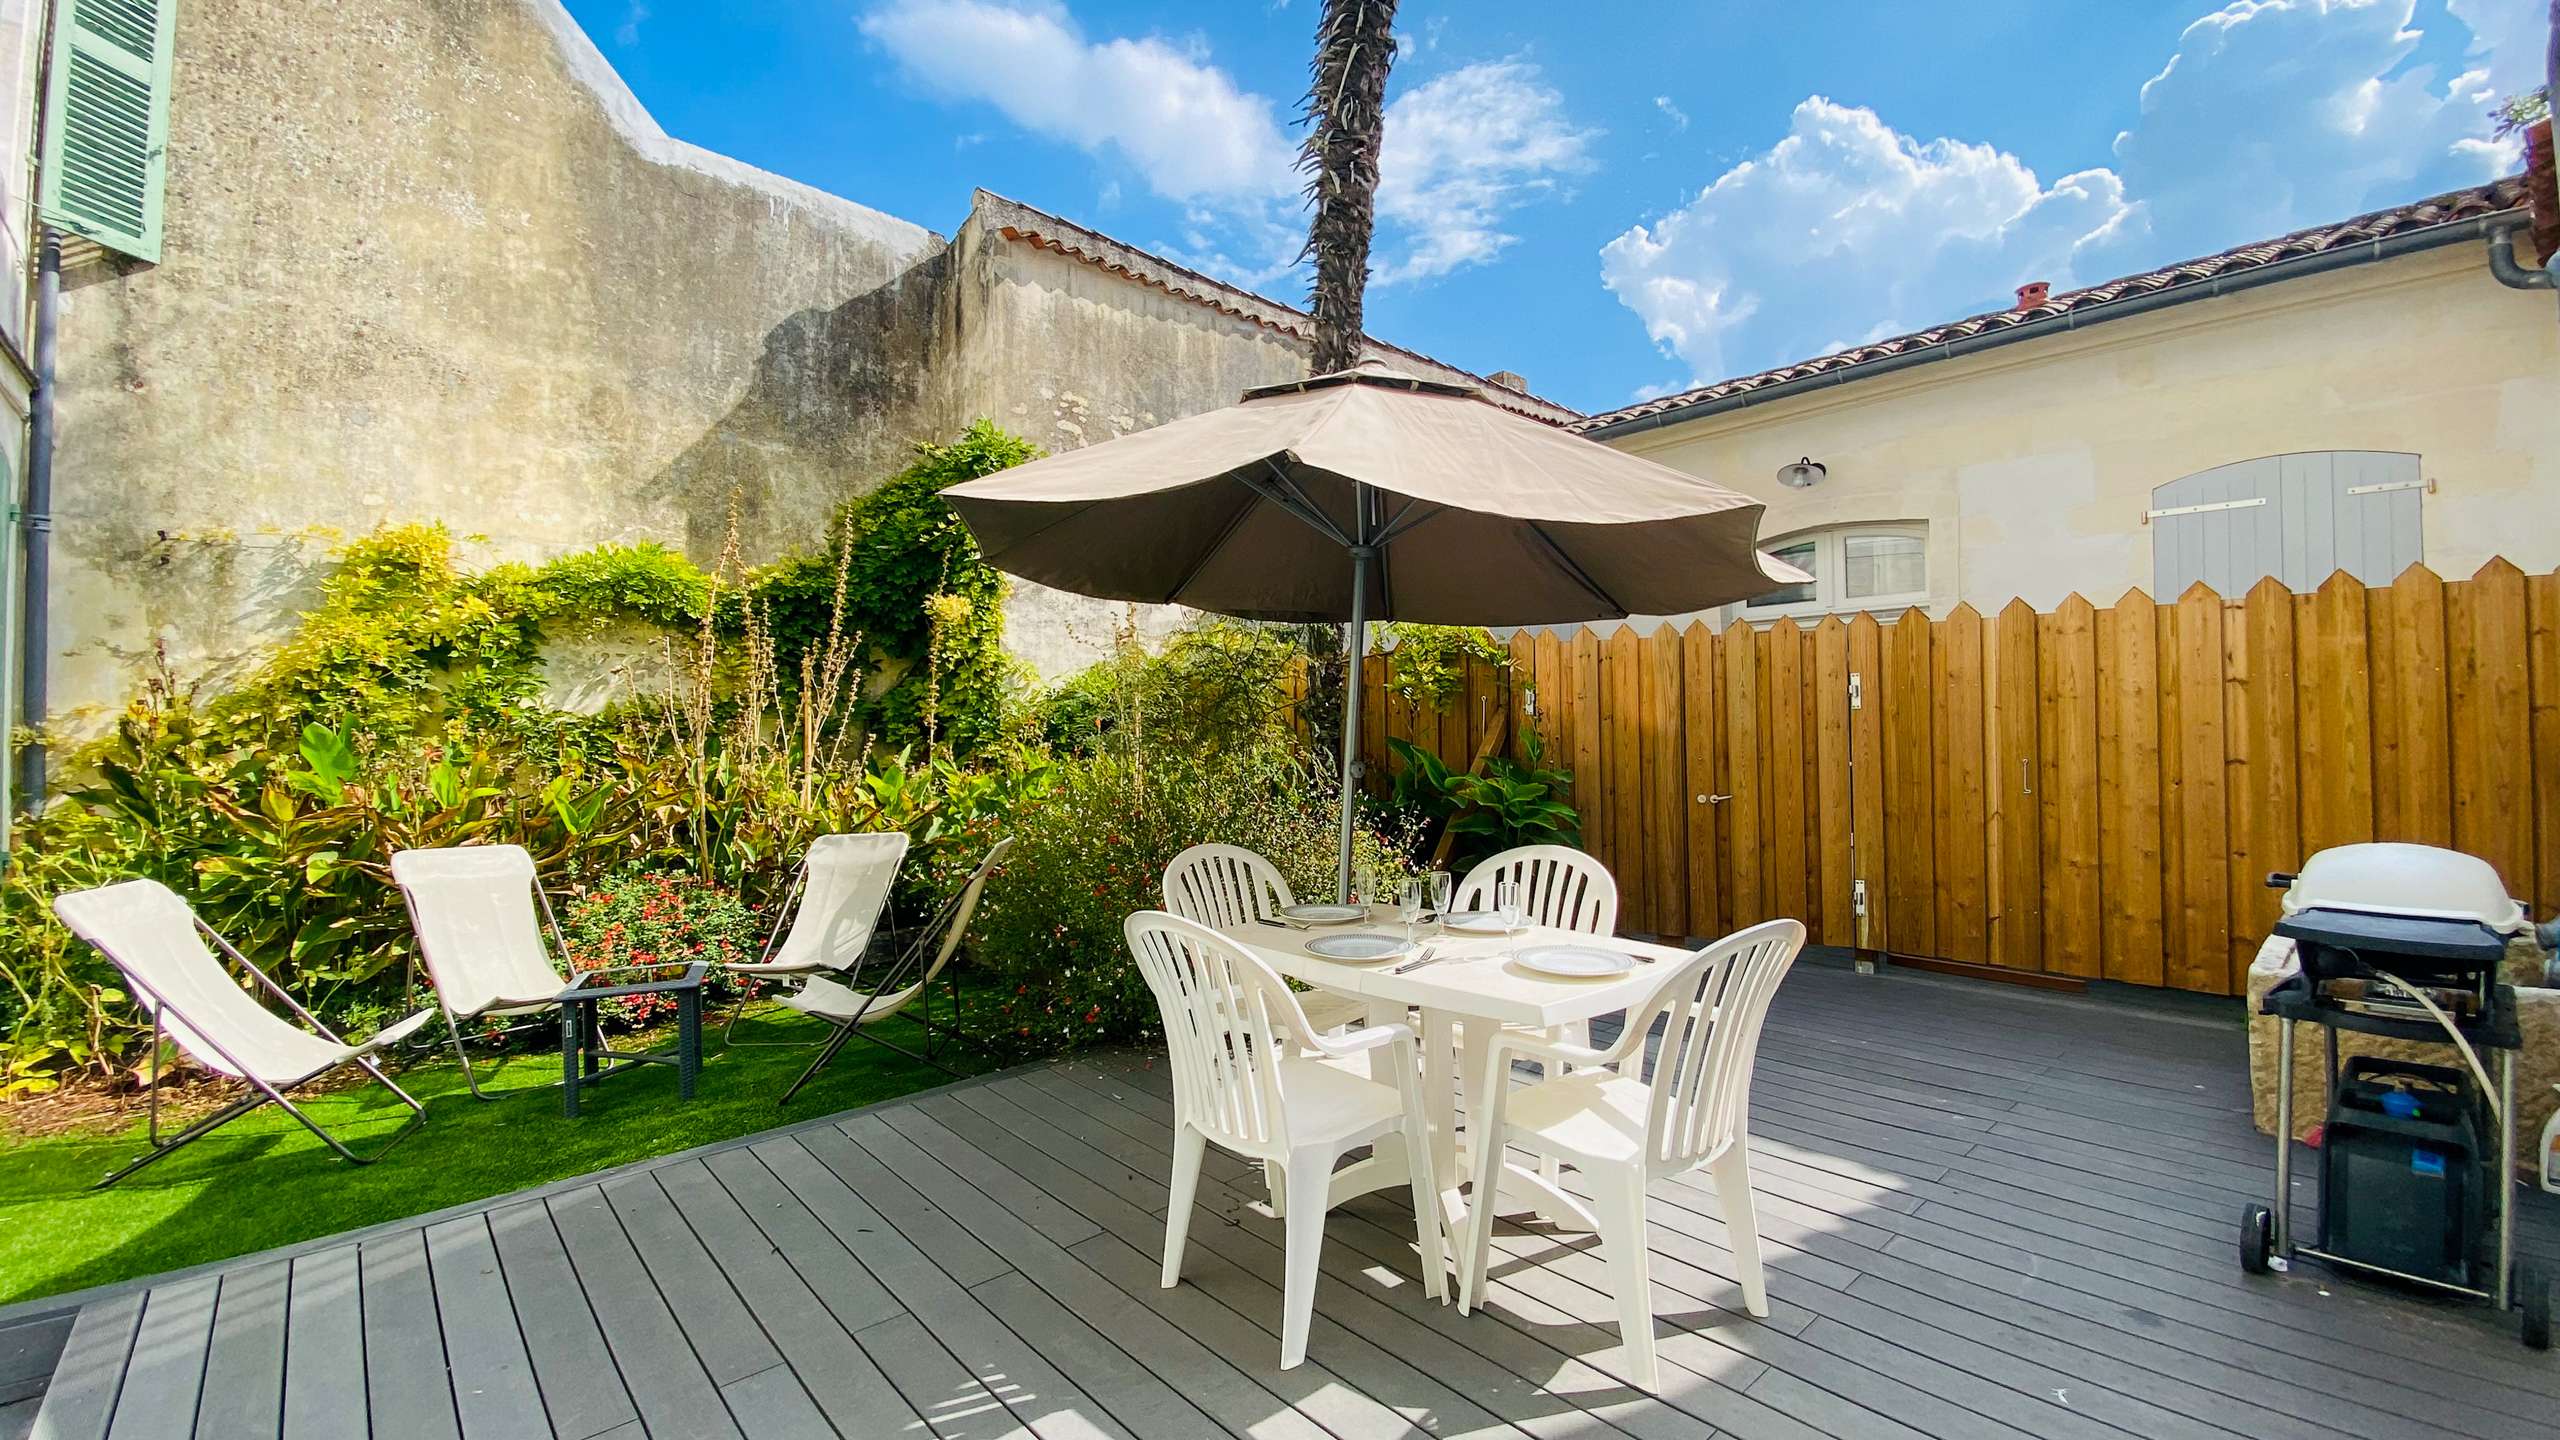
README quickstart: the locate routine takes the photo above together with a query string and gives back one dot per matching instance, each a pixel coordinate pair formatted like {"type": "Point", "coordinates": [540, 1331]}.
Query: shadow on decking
{"type": "Point", "coordinates": [1985, 1216]}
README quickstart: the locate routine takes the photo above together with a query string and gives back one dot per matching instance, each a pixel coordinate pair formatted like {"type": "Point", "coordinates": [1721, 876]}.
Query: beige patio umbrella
{"type": "Point", "coordinates": [1450, 509]}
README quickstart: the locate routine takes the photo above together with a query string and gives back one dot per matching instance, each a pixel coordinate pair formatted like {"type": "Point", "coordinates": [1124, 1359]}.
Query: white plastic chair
{"type": "Point", "coordinates": [157, 942]}
{"type": "Point", "coordinates": [1560, 887]}
{"type": "Point", "coordinates": [474, 910]}
{"type": "Point", "coordinates": [1623, 1131]}
{"type": "Point", "coordinates": [1234, 1032]}
{"type": "Point", "coordinates": [835, 905]}
{"type": "Point", "coordinates": [904, 982]}
{"type": "Point", "coordinates": [1226, 887]}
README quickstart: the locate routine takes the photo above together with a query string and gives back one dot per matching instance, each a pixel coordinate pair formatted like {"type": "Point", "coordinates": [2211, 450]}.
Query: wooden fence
{"type": "Point", "coordinates": [2085, 792]}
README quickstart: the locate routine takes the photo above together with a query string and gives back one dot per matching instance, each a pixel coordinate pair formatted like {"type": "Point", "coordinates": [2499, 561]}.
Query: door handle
{"type": "Point", "coordinates": [1713, 799]}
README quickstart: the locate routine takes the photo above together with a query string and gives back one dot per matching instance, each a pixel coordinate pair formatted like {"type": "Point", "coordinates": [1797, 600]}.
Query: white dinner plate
{"type": "Point", "coordinates": [1325, 914]}
{"type": "Point", "coordinates": [1481, 922]}
{"type": "Point", "coordinates": [1363, 948]}
{"type": "Point", "coordinates": [1577, 962]}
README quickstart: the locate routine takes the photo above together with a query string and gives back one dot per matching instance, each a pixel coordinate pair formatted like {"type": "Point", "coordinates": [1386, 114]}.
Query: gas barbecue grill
{"type": "Point", "coordinates": [2417, 1162]}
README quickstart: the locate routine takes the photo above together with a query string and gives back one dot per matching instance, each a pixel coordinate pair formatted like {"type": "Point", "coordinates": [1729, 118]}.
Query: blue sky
{"type": "Point", "coordinates": [1620, 199]}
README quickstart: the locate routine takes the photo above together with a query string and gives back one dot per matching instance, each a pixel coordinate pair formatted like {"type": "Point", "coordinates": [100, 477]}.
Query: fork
{"type": "Point", "coordinates": [1430, 956]}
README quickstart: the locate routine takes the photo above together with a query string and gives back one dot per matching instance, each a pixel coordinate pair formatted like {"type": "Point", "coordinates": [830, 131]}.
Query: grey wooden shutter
{"type": "Point", "coordinates": [106, 122]}
{"type": "Point", "coordinates": [2297, 517]}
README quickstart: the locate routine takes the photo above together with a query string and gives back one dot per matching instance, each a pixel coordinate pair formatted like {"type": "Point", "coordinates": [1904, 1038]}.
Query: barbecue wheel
{"type": "Point", "coordinates": [2537, 1307]}
{"type": "Point", "coordinates": [2258, 1239]}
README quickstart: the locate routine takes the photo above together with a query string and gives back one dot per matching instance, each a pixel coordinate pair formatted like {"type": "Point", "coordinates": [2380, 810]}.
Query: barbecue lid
{"type": "Point", "coordinates": [2420, 881]}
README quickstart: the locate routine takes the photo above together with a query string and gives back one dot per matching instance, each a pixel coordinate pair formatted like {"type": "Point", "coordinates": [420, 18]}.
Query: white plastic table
{"type": "Point", "coordinates": [1463, 999]}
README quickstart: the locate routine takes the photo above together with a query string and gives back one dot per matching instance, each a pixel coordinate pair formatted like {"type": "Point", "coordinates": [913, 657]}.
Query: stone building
{"type": "Point", "coordinates": [433, 261]}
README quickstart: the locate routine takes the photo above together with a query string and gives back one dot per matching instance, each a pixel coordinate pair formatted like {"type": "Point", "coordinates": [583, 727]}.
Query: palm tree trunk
{"type": "Point", "coordinates": [1346, 114]}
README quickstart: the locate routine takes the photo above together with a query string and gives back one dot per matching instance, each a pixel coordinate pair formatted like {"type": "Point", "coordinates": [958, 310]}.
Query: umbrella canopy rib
{"type": "Point", "coordinates": [1235, 522]}
{"type": "Point", "coordinates": [1579, 575]}
{"type": "Point", "coordinates": [1398, 527]}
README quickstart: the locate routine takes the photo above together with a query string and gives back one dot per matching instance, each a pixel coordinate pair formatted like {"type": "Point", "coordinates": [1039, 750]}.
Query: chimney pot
{"type": "Point", "coordinates": [2033, 294]}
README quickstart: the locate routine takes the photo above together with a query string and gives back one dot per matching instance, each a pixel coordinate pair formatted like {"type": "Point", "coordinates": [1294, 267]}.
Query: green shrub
{"type": "Point", "coordinates": [1431, 661]}
{"type": "Point", "coordinates": [1093, 849]}
{"type": "Point", "coordinates": [1214, 685]}
{"type": "Point", "coordinates": [898, 548]}
{"type": "Point", "coordinates": [405, 710]}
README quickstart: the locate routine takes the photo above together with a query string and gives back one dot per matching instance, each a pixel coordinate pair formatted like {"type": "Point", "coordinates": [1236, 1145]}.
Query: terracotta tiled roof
{"type": "Point", "coordinates": [1027, 225]}
{"type": "Point", "coordinates": [2481, 200]}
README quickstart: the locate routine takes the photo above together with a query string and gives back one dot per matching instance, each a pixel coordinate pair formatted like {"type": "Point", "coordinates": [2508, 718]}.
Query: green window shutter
{"type": "Point", "coordinates": [106, 128]}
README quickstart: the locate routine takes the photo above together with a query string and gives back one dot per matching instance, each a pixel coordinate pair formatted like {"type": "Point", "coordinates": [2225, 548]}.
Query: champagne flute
{"type": "Point", "coordinates": [1441, 886]}
{"type": "Point", "coordinates": [1506, 898]}
{"type": "Point", "coordinates": [1411, 897]}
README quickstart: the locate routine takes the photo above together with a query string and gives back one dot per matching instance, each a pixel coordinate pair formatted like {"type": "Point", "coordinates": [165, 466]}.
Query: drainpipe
{"type": "Point", "coordinates": [37, 520]}
{"type": "Point", "coordinates": [2510, 271]}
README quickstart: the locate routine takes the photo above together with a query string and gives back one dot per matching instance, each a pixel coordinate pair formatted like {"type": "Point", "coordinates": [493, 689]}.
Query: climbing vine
{"type": "Point", "coordinates": [1430, 661]}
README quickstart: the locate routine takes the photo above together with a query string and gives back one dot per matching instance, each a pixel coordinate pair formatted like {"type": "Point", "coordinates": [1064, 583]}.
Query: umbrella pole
{"type": "Point", "coordinates": [1356, 639]}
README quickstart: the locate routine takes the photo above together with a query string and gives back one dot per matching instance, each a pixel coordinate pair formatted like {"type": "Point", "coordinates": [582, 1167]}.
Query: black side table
{"type": "Point", "coordinates": [582, 1049]}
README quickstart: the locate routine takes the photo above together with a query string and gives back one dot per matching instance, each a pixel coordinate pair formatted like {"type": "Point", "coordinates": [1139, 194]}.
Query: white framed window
{"type": "Point", "coordinates": [1881, 566]}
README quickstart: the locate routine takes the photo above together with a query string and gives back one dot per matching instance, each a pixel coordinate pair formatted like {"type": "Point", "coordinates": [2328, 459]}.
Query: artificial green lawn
{"type": "Point", "coordinates": [263, 1181]}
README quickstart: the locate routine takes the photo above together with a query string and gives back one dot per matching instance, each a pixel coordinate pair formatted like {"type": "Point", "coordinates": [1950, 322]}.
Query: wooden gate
{"type": "Point", "coordinates": [2084, 792]}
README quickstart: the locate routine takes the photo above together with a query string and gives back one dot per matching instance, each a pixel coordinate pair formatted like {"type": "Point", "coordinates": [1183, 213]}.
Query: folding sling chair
{"type": "Point", "coordinates": [157, 942]}
{"type": "Point", "coordinates": [904, 984]}
{"type": "Point", "coordinates": [837, 899]}
{"type": "Point", "coordinates": [473, 909]}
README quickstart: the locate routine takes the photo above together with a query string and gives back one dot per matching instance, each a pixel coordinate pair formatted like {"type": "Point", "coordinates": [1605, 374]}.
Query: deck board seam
{"type": "Point", "coordinates": [586, 1297]}
{"type": "Point", "coordinates": [1544, 1262]}
{"type": "Point", "coordinates": [969, 1289]}
{"type": "Point", "coordinates": [1866, 1276]}
{"type": "Point", "coordinates": [718, 1389]}
{"type": "Point", "coordinates": [1706, 1379]}
{"type": "Point", "coordinates": [1068, 1251]}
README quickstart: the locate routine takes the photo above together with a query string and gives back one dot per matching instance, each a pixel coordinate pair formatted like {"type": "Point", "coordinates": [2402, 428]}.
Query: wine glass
{"type": "Point", "coordinates": [1412, 897]}
{"type": "Point", "coordinates": [1506, 898]}
{"type": "Point", "coordinates": [1441, 886]}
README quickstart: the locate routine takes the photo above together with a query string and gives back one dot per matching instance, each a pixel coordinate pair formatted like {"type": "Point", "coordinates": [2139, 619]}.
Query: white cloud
{"type": "Point", "coordinates": [1179, 121]}
{"type": "Point", "coordinates": [1463, 151]}
{"type": "Point", "coordinates": [628, 32]}
{"type": "Point", "coordinates": [1845, 222]}
{"type": "Point", "coordinates": [2275, 114]}
{"type": "Point", "coordinates": [2271, 115]}
{"type": "Point", "coordinates": [1678, 117]}
{"type": "Point", "coordinates": [2507, 40]}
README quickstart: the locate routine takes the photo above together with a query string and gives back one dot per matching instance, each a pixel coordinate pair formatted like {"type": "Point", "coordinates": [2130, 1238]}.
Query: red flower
{"type": "Point", "coordinates": [1093, 1016]}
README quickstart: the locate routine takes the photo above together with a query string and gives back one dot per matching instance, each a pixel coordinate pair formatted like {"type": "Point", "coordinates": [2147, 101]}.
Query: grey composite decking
{"type": "Point", "coordinates": [1990, 1216]}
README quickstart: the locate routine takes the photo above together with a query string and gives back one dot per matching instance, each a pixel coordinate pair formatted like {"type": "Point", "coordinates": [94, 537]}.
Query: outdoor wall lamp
{"type": "Point", "coordinates": [1803, 474]}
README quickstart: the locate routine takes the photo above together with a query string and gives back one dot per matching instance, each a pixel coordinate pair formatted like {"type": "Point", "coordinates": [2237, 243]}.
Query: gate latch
{"type": "Point", "coordinates": [1857, 691]}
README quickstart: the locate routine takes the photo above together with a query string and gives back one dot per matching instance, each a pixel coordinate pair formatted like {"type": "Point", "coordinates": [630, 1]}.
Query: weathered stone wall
{"type": "Point", "coordinates": [428, 260]}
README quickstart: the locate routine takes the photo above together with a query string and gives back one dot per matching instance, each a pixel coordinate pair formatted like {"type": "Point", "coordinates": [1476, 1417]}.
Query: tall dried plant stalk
{"type": "Point", "coordinates": [691, 702]}
{"type": "Point", "coordinates": [830, 677]}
